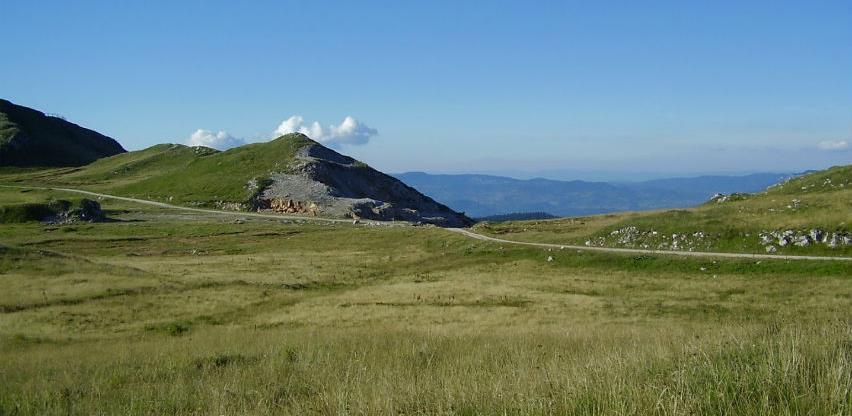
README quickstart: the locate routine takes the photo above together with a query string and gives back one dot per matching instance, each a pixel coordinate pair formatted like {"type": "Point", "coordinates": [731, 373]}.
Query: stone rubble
{"type": "Point", "coordinates": [634, 237]}
{"type": "Point", "coordinates": [721, 198]}
{"type": "Point", "coordinates": [806, 238]}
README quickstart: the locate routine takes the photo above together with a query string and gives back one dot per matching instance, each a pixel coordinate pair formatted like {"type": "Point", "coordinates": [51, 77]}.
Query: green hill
{"type": "Point", "coordinates": [31, 138]}
{"type": "Point", "coordinates": [291, 174]}
{"type": "Point", "coordinates": [838, 178]}
{"type": "Point", "coordinates": [810, 214]}
{"type": "Point", "coordinates": [188, 175]}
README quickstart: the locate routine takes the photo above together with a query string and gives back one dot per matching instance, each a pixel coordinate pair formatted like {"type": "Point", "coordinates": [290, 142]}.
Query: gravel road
{"type": "Point", "coordinates": [462, 231]}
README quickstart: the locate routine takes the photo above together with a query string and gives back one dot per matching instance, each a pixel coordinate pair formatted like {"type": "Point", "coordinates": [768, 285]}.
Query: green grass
{"type": "Point", "coordinates": [176, 173]}
{"type": "Point", "coordinates": [834, 179]}
{"type": "Point", "coordinates": [167, 312]}
{"type": "Point", "coordinates": [25, 212]}
{"type": "Point", "coordinates": [8, 129]}
{"type": "Point", "coordinates": [222, 176]}
{"type": "Point", "coordinates": [45, 211]}
{"type": "Point", "coordinates": [163, 312]}
{"type": "Point", "coordinates": [732, 226]}
{"type": "Point", "coordinates": [603, 371]}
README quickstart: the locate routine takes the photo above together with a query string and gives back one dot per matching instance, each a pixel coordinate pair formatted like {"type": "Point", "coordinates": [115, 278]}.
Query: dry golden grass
{"type": "Point", "coordinates": [167, 313]}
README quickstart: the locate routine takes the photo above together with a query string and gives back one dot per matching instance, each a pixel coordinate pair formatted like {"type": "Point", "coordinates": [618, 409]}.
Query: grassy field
{"type": "Point", "coordinates": [175, 173]}
{"type": "Point", "coordinates": [822, 200]}
{"type": "Point", "coordinates": [163, 312]}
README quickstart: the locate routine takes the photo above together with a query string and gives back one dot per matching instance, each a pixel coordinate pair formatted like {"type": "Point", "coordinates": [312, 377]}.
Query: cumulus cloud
{"type": "Point", "coordinates": [833, 145]}
{"type": "Point", "coordinates": [221, 140]}
{"type": "Point", "coordinates": [349, 132]}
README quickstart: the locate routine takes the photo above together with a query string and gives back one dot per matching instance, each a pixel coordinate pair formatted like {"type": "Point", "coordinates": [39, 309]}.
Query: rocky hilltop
{"type": "Point", "coordinates": [291, 174]}
{"type": "Point", "coordinates": [31, 138]}
{"type": "Point", "coordinates": [320, 181]}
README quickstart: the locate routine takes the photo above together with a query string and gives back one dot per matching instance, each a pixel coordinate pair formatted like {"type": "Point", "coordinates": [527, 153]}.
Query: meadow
{"type": "Point", "coordinates": [167, 312]}
{"type": "Point", "coordinates": [734, 226]}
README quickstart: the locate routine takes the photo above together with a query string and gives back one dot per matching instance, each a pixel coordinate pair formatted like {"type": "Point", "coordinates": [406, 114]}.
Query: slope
{"type": "Point", "coordinates": [811, 214]}
{"type": "Point", "coordinates": [31, 138]}
{"type": "Point", "coordinates": [291, 174]}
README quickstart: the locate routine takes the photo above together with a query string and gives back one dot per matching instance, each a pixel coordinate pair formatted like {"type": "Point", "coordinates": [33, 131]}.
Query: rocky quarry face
{"type": "Point", "coordinates": [287, 206]}
{"type": "Point", "coordinates": [323, 182]}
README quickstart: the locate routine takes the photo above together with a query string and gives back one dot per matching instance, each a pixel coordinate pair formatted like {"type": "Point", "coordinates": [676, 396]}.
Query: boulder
{"type": "Point", "coordinates": [802, 241]}
{"type": "Point", "coordinates": [816, 234]}
{"type": "Point", "coordinates": [90, 210]}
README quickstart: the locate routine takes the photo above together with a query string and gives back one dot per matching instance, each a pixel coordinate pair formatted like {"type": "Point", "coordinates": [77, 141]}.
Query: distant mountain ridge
{"type": "Point", "coordinates": [31, 138]}
{"type": "Point", "coordinates": [518, 216]}
{"type": "Point", "coordinates": [486, 195]}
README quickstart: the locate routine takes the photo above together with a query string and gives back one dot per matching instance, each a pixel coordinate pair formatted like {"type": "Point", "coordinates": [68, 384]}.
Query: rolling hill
{"type": "Point", "coordinates": [291, 174]}
{"type": "Point", "coordinates": [30, 138]}
{"type": "Point", "coordinates": [809, 214]}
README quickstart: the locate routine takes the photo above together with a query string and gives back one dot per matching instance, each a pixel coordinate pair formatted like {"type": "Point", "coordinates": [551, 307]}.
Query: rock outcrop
{"type": "Point", "coordinates": [54, 212]}
{"type": "Point", "coordinates": [805, 238]}
{"type": "Point", "coordinates": [320, 181]}
{"type": "Point", "coordinates": [721, 198]}
{"type": "Point", "coordinates": [649, 239]}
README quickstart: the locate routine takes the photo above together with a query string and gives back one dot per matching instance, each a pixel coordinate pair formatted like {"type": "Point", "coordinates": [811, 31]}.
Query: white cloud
{"type": "Point", "coordinates": [291, 125]}
{"type": "Point", "coordinates": [349, 132]}
{"type": "Point", "coordinates": [221, 140]}
{"type": "Point", "coordinates": [833, 145]}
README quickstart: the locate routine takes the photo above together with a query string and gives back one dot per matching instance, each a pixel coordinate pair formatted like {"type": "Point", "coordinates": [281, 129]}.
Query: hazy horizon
{"type": "Point", "coordinates": [596, 176]}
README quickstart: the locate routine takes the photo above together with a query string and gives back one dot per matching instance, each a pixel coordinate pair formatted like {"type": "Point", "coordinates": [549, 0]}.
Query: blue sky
{"type": "Point", "coordinates": [565, 88]}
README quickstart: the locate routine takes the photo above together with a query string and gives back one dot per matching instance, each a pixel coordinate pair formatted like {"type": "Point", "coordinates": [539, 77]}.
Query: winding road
{"type": "Point", "coordinates": [181, 208]}
{"type": "Point", "coordinates": [465, 232]}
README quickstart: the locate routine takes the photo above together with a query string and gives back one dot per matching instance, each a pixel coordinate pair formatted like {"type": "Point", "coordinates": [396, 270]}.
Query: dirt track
{"type": "Point", "coordinates": [462, 231]}
{"type": "Point", "coordinates": [471, 234]}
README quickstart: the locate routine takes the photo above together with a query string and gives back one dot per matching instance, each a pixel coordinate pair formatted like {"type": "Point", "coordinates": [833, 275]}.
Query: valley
{"type": "Point", "coordinates": [435, 208]}
{"type": "Point", "coordinates": [182, 312]}
{"type": "Point", "coordinates": [286, 278]}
